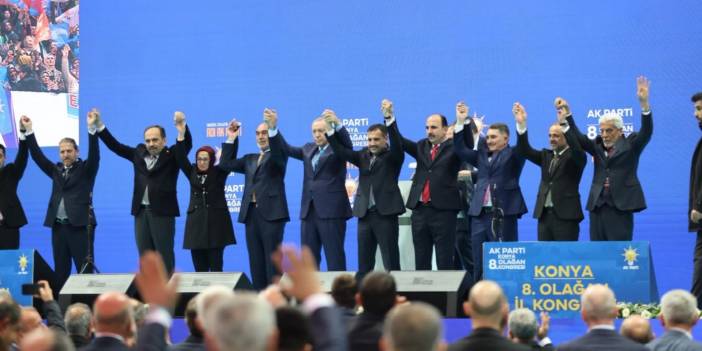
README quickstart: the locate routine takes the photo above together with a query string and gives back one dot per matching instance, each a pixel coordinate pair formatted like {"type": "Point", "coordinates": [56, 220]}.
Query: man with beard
{"type": "Point", "coordinates": [616, 193]}
{"type": "Point", "coordinates": [154, 200]}
{"type": "Point", "coordinates": [557, 207]}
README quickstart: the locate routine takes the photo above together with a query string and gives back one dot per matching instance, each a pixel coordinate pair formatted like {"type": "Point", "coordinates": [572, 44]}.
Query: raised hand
{"type": "Point", "coordinates": [179, 121]}
{"type": "Point", "coordinates": [270, 117]}
{"type": "Point", "coordinates": [461, 112]}
{"type": "Point", "coordinates": [545, 326]}
{"type": "Point", "coordinates": [233, 130]}
{"type": "Point", "coordinates": [152, 281]}
{"type": "Point", "coordinates": [302, 270]}
{"type": "Point", "coordinates": [26, 123]}
{"type": "Point", "coordinates": [386, 109]}
{"type": "Point", "coordinates": [642, 84]}
{"type": "Point", "coordinates": [562, 108]}
{"type": "Point", "coordinates": [520, 115]}
{"type": "Point", "coordinates": [93, 118]}
{"type": "Point", "coordinates": [695, 216]}
{"type": "Point", "coordinates": [331, 118]}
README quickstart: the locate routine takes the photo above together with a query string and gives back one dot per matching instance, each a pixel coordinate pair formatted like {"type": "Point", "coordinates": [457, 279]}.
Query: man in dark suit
{"type": "Point", "coordinates": [12, 216]}
{"type": "Point", "coordinates": [264, 208]}
{"type": "Point", "coordinates": [195, 340]}
{"type": "Point", "coordinates": [695, 204]}
{"type": "Point", "coordinates": [599, 310]}
{"type": "Point", "coordinates": [154, 200]}
{"type": "Point", "coordinates": [113, 323]}
{"type": "Point", "coordinates": [70, 205]}
{"type": "Point", "coordinates": [377, 295]}
{"type": "Point", "coordinates": [558, 208]}
{"type": "Point", "coordinates": [325, 206]}
{"type": "Point", "coordinates": [678, 316]}
{"type": "Point", "coordinates": [497, 200]}
{"type": "Point", "coordinates": [523, 329]}
{"type": "Point", "coordinates": [488, 310]}
{"type": "Point", "coordinates": [416, 326]}
{"type": "Point", "coordinates": [616, 194]}
{"type": "Point", "coordinates": [378, 199]}
{"type": "Point", "coordinates": [434, 198]}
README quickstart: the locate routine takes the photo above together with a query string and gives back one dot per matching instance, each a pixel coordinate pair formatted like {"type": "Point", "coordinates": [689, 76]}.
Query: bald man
{"type": "Point", "coordinates": [488, 310]}
{"type": "Point", "coordinates": [599, 310]}
{"type": "Point", "coordinates": [637, 328]}
{"type": "Point", "coordinates": [113, 322]}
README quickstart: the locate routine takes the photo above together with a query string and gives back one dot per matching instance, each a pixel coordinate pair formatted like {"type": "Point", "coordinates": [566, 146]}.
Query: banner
{"type": "Point", "coordinates": [551, 276]}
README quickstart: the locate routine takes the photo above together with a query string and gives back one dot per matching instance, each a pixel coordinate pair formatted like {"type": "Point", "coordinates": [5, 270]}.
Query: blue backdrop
{"type": "Point", "coordinates": [216, 60]}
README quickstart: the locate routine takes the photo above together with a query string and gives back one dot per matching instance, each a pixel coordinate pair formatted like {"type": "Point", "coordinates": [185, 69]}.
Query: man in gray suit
{"type": "Point", "coordinates": [678, 315]}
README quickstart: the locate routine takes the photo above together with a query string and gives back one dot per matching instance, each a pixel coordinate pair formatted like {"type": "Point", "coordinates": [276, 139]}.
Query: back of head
{"type": "Point", "coordinates": [191, 317]}
{"type": "Point", "coordinates": [637, 328]}
{"type": "Point", "coordinates": [378, 293]}
{"type": "Point", "coordinates": [293, 328]}
{"type": "Point", "coordinates": [522, 324]}
{"type": "Point", "coordinates": [598, 305]}
{"type": "Point", "coordinates": [679, 308]}
{"type": "Point", "coordinates": [207, 298]}
{"type": "Point", "coordinates": [10, 320]}
{"type": "Point", "coordinates": [242, 322]}
{"type": "Point", "coordinates": [488, 304]}
{"type": "Point", "coordinates": [344, 290]}
{"type": "Point", "coordinates": [46, 340]}
{"type": "Point", "coordinates": [414, 327]}
{"type": "Point", "coordinates": [113, 313]}
{"type": "Point", "coordinates": [77, 319]}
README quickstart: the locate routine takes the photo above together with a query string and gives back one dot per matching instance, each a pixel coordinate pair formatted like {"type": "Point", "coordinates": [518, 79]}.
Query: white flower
{"type": "Point", "coordinates": [646, 314]}
{"type": "Point", "coordinates": [625, 312]}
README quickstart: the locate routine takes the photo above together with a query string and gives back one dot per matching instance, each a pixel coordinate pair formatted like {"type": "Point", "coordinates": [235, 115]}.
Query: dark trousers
{"type": "Point", "coordinates": [155, 233]}
{"type": "Point", "coordinates": [208, 260]}
{"type": "Point", "coordinates": [262, 239]}
{"type": "Point", "coordinates": [697, 270]}
{"type": "Point", "coordinates": [433, 228]}
{"type": "Point", "coordinates": [9, 237]}
{"type": "Point", "coordinates": [328, 233]}
{"type": "Point", "coordinates": [552, 228]}
{"type": "Point", "coordinates": [376, 230]}
{"type": "Point", "coordinates": [610, 224]}
{"type": "Point", "coordinates": [482, 232]}
{"type": "Point", "coordinates": [463, 258]}
{"type": "Point", "coordinates": [68, 244]}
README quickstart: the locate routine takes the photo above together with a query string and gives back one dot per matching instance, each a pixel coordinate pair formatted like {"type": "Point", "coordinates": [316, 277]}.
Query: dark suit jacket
{"type": "Point", "coordinates": [621, 167]}
{"type": "Point", "coordinates": [192, 343]}
{"type": "Point", "coordinates": [79, 341]}
{"type": "Point", "coordinates": [564, 181]}
{"type": "Point", "coordinates": [382, 177]}
{"type": "Point", "coordinates": [695, 200]}
{"type": "Point", "coordinates": [674, 340]}
{"type": "Point", "coordinates": [76, 190]}
{"type": "Point", "coordinates": [324, 185]}
{"type": "Point", "coordinates": [267, 180]}
{"type": "Point", "coordinates": [365, 331]}
{"type": "Point", "coordinates": [501, 174]}
{"type": "Point", "coordinates": [208, 223]}
{"type": "Point", "coordinates": [601, 339]}
{"type": "Point", "coordinates": [106, 343]}
{"type": "Point", "coordinates": [161, 179]}
{"type": "Point", "coordinates": [10, 175]}
{"type": "Point", "coordinates": [441, 173]}
{"type": "Point", "coordinates": [486, 339]}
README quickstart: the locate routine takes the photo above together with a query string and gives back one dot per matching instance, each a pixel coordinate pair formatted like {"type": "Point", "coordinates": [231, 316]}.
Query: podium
{"type": "Point", "coordinates": [551, 276]}
{"type": "Point", "coordinates": [18, 267]}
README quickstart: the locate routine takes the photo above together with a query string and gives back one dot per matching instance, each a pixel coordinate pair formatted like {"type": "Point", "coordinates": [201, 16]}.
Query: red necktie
{"type": "Point", "coordinates": [425, 192]}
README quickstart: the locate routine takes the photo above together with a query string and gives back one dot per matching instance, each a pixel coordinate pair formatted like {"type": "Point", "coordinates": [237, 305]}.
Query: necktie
{"type": "Point", "coordinates": [425, 192]}
{"type": "Point", "coordinates": [260, 157]}
{"type": "Point", "coordinates": [553, 164]}
{"type": "Point", "coordinates": [315, 159]}
{"type": "Point", "coordinates": [151, 162]}
{"type": "Point", "coordinates": [372, 161]}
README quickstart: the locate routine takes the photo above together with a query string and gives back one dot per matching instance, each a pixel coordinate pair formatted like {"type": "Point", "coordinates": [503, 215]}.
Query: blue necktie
{"type": "Point", "coordinates": [315, 159]}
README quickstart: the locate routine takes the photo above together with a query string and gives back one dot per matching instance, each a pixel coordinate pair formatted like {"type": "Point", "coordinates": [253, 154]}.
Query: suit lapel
{"type": "Point", "coordinates": [322, 158]}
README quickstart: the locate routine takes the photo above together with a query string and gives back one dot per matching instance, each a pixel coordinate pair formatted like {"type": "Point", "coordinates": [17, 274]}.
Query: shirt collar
{"type": "Point", "coordinates": [602, 326]}
{"type": "Point", "coordinates": [686, 332]}
{"type": "Point", "coordinates": [109, 335]}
